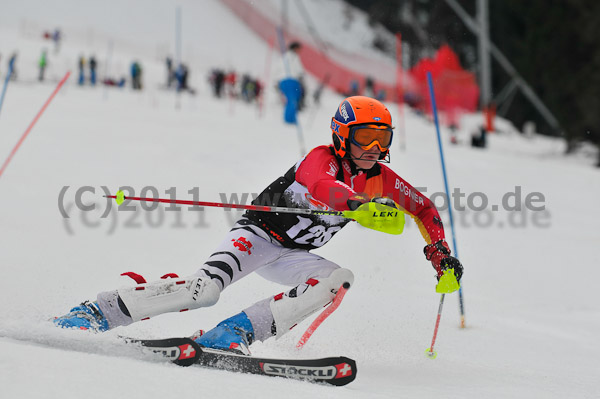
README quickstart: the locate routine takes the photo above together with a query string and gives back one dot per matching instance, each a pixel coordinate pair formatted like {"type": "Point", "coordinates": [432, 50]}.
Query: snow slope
{"type": "Point", "coordinates": [530, 277]}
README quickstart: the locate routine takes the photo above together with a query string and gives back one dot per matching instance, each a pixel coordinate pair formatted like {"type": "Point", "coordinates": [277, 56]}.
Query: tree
{"type": "Point", "coordinates": [554, 45]}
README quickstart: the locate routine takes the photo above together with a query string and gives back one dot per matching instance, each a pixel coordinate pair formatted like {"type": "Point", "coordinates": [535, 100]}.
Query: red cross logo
{"type": "Point", "coordinates": [243, 245]}
{"type": "Point", "coordinates": [187, 351]}
{"type": "Point", "coordinates": [344, 370]}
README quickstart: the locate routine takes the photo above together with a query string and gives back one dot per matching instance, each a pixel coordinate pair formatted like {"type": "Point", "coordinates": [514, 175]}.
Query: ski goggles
{"type": "Point", "coordinates": [367, 136]}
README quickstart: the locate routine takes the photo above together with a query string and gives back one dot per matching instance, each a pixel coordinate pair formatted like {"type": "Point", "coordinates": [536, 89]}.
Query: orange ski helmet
{"type": "Point", "coordinates": [360, 112]}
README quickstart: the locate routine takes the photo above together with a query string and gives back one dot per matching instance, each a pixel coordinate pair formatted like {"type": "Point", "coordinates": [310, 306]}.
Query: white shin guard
{"type": "Point", "coordinates": [297, 304]}
{"type": "Point", "coordinates": [169, 295]}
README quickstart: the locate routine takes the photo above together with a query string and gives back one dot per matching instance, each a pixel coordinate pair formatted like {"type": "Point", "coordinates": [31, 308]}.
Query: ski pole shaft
{"type": "Point", "coordinates": [430, 351]}
{"type": "Point", "coordinates": [259, 208]}
{"type": "Point", "coordinates": [337, 300]}
{"type": "Point", "coordinates": [39, 114]}
{"type": "Point", "coordinates": [372, 215]}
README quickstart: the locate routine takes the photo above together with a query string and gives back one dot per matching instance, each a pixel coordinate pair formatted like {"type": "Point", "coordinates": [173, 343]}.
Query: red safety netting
{"type": "Point", "coordinates": [456, 90]}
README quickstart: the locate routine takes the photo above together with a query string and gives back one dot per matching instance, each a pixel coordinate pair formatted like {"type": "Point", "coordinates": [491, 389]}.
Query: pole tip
{"type": "Point", "coordinates": [431, 353]}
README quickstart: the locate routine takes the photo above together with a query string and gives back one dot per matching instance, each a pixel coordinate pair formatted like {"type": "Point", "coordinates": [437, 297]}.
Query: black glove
{"type": "Point", "coordinates": [451, 262]}
{"type": "Point", "coordinates": [385, 201]}
{"type": "Point", "coordinates": [439, 255]}
{"type": "Point", "coordinates": [357, 200]}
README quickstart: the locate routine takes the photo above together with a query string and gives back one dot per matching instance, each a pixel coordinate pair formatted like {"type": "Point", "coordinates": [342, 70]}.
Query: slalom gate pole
{"type": "Point", "coordinates": [39, 114]}
{"type": "Point", "coordinates": [400, 90]}
{"type": "Point", "coordinates": [263, 96]}
{"type": "Point", "coordinates": [10, 70]}
{"type": "Point", "coordinates": [337, 300]}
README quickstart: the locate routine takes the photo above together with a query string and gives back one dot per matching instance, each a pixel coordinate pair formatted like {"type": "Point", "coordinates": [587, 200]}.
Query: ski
{"type": "Point", "coordinates": [185, 352]}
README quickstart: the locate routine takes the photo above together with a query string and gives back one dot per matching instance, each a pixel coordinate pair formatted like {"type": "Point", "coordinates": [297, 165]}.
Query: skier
{"type": "Point", "coordinates": [297, 70]}
{"type": "Point", "coordinates": [291, 83]}
{"type": "Point", "coordinates": [277, 246]}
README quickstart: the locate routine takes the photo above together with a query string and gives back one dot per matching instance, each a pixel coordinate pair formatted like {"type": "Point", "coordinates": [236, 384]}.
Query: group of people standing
{"type": "Point", "coordinates": [228, 84]}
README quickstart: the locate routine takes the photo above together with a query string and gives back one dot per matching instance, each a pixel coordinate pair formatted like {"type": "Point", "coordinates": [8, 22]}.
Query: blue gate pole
{"type": "Point", "coordinates": [439, 139]}
{"type": "Point", "coordinates": [10, 69]}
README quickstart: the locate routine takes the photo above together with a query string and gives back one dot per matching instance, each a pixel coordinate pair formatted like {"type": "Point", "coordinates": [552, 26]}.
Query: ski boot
{"type": "Point", "coordinates": [86, 316]}
{"type": "Point", "coordinates": [234, 334]}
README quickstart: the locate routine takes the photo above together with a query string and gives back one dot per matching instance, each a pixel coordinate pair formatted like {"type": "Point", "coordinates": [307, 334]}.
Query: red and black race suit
{"type": "Point", "coordinates": [323, 181]}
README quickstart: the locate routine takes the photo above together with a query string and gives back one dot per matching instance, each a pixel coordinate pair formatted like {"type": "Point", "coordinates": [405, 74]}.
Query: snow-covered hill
{"type": "Point", "coordinates": [530, 276]}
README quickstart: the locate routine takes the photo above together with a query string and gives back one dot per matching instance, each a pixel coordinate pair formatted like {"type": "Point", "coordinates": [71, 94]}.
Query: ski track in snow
{"type": "Point", "coordinates": [529, 280]}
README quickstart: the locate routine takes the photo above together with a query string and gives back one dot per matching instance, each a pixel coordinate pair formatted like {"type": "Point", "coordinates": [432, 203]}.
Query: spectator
{"type": "Point", "coordinates": [114, 82]}
{"type": "Point", "coordinates": [257, 89]}
{"type": "Point", "coordinates": [170, 72]}
{"type": "Point", "coordinates": [230, 82]}
{"type": "Point", "coordinates": [354, 88]}
{"type": "Point", "coordinates": [81, 79]}
{"type": "Point", "coordinates": [217, 79]}
{"type": "Point", "coordinates": [369, 87]}
{"type": "Point", "coordinates": [319, 91]}
{"type": "Point", "coordinates": [93, 65]}
{"type": "Point", "coordinates": [136, 75]}
{"type": "Point", "coordinates": [479, 141]}
{"type": "Point", "coordinates": [251, 88]}
{"type": "Point", "coordinates": [246, 87]}
{"type": "Point", "coordinates": [12, 64]}
{"type": "Point", "coordinates": [56, 38]}
{"type": "Point", "coordinates": [296, 70]}
{"type": "Point", "coordinates": [291, 85]}
{"type": "Point", "coordinates": [181, 75]}
{"type": "Point", "coordinates": [43, 63]}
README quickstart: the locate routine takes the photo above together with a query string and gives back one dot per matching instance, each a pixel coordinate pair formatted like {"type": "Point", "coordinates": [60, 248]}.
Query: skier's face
{"type": "Point", "coordinates": [364, 159]}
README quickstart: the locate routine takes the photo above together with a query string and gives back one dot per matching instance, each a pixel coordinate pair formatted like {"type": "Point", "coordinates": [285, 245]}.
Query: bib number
{"type": "Point", "coordinates": [306, 232]}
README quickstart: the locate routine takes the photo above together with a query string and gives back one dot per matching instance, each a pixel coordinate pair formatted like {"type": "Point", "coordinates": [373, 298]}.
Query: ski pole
{"type": "Point", "coordinates": [430, 352]}
{"type": "Point", "coordinates": [120, 197]}
{"type": "Point", "coordinates": [12, 153]}
{"type": "Point", "coordinates": [372, 215]}
{"type": "Point", "coordinates": [337, 300]}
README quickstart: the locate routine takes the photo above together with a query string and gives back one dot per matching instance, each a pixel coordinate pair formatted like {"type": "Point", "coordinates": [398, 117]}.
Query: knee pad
{"type": "Point", "coordinates": [170, 295]}
{"type": "Point", "coordinates": [300, 302]}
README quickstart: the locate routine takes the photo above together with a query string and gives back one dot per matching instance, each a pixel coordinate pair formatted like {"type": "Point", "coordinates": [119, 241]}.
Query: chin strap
{"type": "Point", "coordinates": [384, 157]}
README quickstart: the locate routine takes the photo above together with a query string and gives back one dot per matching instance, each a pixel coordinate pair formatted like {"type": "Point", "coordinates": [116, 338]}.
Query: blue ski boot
{"type": "Point", "coordinates": [86, 316]}
{"type": "Point", "coordinates": [234, 334]}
